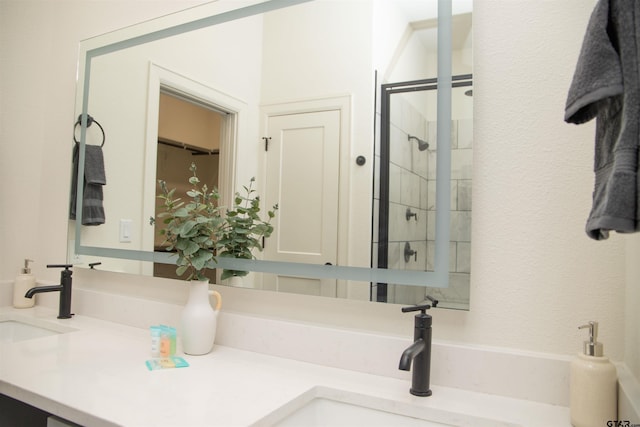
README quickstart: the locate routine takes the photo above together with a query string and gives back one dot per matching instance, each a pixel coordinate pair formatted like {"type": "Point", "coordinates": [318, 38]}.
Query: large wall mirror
{"type": "Point", "coordinates": [354, 116]}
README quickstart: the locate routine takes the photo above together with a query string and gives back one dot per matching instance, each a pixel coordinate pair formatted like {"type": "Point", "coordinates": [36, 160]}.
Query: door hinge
{"type": "Point", "coordinates": [266, 142]}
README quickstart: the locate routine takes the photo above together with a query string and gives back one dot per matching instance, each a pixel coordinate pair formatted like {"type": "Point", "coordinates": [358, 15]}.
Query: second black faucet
{"type": "Point", "coordinates": [420, 351]}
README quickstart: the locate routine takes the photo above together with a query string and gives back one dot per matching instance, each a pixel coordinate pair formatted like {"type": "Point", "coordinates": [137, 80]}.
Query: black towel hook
{"type": "Point", "coordinates": [90, 121]}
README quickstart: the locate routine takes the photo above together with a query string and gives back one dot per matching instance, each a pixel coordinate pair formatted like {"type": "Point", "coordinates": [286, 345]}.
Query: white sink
{"type": "Point", "coordinates": [14, 328]}
{"type": "Point", "coordinates": [327, 412]}
{"type": "Point", "coordinates": [322, 406]}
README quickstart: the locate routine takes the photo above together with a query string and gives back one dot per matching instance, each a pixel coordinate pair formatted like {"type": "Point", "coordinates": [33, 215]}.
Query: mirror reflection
{"type": "Point", "coordinates": [408, 191]}
{"type": "Point", "coordinates": [251, 111]}
{"type": "Point", "coordinates": [188, 133]}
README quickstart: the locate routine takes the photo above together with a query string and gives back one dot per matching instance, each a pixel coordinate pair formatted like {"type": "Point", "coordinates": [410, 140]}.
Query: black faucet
{"type": "Point", "coordinates": [420, 351]}
{"type": "Point", "coordinates": [64, 311]}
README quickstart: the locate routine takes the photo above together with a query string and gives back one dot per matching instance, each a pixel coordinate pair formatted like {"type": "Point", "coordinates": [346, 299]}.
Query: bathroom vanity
{"type": "Point", "coordinates": [91, 371]}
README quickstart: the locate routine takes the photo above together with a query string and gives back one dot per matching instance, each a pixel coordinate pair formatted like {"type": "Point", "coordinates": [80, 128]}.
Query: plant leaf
{"type": "Point", "coordinates": [181, 213]}
{"type": "Point", "coordinates": [192, 247]}
{"type": "Point", "coordinates": [180, 270]}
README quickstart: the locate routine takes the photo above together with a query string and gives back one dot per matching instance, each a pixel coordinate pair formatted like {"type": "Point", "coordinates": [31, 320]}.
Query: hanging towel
{"type": "Point", "coordinates": [606, 86]}
{"type": "Point", "coordinates": [94, 180]}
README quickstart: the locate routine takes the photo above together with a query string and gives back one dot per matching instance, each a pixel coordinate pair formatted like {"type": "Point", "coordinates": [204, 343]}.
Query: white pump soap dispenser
{"type": "Point", "coordinates": [24, 281]}
{"type": "Point", "coordinates": [593, 396]}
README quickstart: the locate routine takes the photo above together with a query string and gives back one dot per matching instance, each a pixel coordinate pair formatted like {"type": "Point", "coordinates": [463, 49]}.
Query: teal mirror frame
{"type": "Point", "coordinates": [437, 278]}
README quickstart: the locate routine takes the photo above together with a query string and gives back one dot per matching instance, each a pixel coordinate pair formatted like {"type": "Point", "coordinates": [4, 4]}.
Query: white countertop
{"type": "Point", "coordinates": [96, 376]}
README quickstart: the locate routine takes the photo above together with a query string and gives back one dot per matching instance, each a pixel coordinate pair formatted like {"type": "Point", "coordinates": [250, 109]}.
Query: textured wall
{"type": "Point", "coordinates": [536, 276]}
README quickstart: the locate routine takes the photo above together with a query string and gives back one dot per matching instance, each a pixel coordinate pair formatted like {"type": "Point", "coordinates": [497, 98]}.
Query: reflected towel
{"type": "Point", "coordinates": [94, 180]}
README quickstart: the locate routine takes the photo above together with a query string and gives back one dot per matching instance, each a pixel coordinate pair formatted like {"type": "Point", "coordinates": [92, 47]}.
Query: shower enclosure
{"type": "Point", "coordinates": [406, 198]}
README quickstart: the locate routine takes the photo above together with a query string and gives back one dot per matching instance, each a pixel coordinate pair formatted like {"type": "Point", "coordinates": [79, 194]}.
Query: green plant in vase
{"type": "Point", "coordinates": [192, 226]}
{"type": "Point", "coordinates": [243, 229]}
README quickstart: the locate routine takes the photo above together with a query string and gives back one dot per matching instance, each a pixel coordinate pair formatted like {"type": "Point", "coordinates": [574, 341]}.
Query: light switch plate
{"type": "Point", "coordinates": [125, 230]}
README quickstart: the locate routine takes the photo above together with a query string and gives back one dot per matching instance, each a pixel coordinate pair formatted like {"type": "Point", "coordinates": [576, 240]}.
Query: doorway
{"type": "Point", "coordinates": [189, 131]}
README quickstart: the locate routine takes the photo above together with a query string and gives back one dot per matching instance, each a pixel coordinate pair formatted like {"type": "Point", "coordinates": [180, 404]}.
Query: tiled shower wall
{"type": "Point", "coordinates": [457, 294]}
{"type": "Point", "coordinates": [412, 176]}
{"type": "Point", "coordinates": [408, 186]}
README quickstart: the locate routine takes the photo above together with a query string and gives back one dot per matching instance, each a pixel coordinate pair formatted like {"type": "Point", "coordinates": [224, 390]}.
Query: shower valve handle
{"type": "Point", "coordinates": [408, 253]}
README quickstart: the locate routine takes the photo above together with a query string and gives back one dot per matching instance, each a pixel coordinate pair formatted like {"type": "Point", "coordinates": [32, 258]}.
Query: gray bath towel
{"type": "Point", "coordinates": [94, 165]}
{"type": "Point", "coordinates": [94, 180]}
{"type": "Point", "coordinates": [606, 85]}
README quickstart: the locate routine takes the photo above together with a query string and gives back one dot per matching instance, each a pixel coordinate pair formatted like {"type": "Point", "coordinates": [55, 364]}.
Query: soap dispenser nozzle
{"type": "Point", "coordinates": [26, 269]}
{"type": "Point", "coordinates": [592, 347]}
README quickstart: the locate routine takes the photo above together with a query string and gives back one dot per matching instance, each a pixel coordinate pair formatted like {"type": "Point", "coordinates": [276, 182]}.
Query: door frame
{"type": "Point", "coordinates": [162, 78]}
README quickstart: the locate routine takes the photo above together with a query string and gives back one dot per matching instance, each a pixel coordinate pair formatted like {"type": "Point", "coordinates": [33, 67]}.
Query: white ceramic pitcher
{"type": "Point", "coordinates": [199, 319]}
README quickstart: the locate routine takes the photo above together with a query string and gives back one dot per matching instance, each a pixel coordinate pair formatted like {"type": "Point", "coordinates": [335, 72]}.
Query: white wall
{"type": "Point", "coordinates": [536, 276]}
{"type": "Point", "coordinates": [533, 187]}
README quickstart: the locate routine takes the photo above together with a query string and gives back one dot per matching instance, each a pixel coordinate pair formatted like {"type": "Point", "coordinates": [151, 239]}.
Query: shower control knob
{"type": "Point", "coordinates": [408, 253]}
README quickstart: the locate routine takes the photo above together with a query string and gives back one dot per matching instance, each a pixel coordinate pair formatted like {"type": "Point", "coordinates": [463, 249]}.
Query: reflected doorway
{"type": "Point", "coordinates": [189, 131]}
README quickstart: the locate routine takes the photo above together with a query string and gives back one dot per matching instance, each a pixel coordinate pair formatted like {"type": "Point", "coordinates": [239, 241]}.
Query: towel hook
{"type": "Point", "coordinates": [90, 121]}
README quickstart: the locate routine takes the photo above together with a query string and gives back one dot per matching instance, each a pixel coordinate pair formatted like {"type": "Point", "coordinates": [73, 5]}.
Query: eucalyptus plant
{"type": "Point", "coordinates": [197, 230]}
{"type": "Point", "coordinates": [191, 227]}
{"type": "Point", "coordinates": [243, 229]}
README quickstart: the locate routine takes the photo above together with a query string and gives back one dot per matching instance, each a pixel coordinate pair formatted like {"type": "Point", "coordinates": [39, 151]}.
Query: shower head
{"type": "Point", "coordinates": [422, 144]}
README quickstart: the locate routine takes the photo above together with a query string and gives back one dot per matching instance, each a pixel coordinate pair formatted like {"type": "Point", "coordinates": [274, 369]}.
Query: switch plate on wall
{"type": "Point", "coordinates": [125, 230]}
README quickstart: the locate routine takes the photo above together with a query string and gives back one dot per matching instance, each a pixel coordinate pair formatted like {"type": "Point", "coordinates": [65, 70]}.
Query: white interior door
{"type": "Point", "coordinates": [302, 176]}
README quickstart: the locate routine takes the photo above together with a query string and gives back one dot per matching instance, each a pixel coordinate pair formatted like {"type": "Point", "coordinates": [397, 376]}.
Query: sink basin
{"type": "Point", "coordinates": [327, 412]}
{"type": "Point", "coordinates": [14, 328]}
{"type": "Point", "coordinates": [322, 406]}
